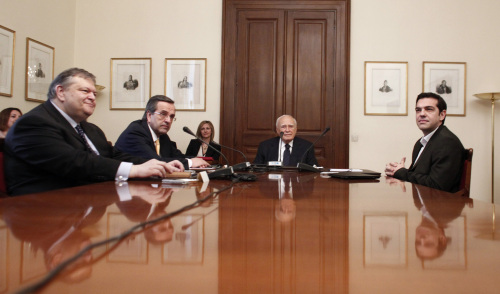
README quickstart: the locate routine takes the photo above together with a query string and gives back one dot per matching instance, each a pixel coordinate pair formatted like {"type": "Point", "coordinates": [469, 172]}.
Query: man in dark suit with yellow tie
{"type": "Point", "coordinates": [438, 156]}
{"type": "Point", "coordinates": [148, 138]}
{"type": "Point", "coordinates": [53, 146]}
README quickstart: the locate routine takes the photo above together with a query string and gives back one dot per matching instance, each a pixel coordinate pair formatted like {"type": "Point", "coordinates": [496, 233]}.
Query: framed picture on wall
{"type": "Point", "coordinates": [185, 82]}
{"type": "Point", "coordinates": [130, 83]}
{"type": "Point", "coordinates": [386, 88]}
{"type": "Point", "coordinates": [39, 70]}
{"type": "Point", "coordinates": [448, 80]}
{"type": "Point", "coordinates": [7, 46]}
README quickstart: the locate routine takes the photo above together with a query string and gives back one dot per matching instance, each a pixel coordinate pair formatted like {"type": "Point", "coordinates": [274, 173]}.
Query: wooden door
{"type": "Point", "coordinates": [285, 58]}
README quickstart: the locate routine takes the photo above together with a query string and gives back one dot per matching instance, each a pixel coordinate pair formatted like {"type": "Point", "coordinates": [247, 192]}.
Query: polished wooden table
{"type": "Point", "coordinates": [287, 232]}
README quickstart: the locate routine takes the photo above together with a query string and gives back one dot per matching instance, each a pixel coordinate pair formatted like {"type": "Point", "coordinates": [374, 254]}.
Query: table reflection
{"type": "Point", "coordinates": [55, 228]}
{"type": "Point", "coordinates": [285, 233]}
{"type": "Point", "coordinates": [287, 188]}
{"type": "Point", "coordinates": [149, 202]}
{"type": "Point", "coordinates": [439, 212]}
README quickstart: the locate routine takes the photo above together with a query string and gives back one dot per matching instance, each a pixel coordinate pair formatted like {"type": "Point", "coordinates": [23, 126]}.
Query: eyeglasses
{"type": "Point", "coordinates": [164, 115]}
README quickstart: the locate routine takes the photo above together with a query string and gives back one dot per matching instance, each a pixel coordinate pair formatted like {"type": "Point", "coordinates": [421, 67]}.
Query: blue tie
{"type": "Point", "coordinates": [82, 134]}
{"type": "Point", "coordinates": [286, 155]}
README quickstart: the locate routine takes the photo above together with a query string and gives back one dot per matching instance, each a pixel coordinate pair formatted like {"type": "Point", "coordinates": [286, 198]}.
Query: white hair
{"type": "Point", "coordinates": [278, 120]}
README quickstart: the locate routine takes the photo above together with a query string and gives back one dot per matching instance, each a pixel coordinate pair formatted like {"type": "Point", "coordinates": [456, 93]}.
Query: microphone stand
{"type": "Point", "coordinates": [304, 166]}
{"type": "Point", "coordinates": [221, 172]}
{"type": "Point", "coordinates": [240, 166]}
{"type": "Point", "coordinates": [279, 150]}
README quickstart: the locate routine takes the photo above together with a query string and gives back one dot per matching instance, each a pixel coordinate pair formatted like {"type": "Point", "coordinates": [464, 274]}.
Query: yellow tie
{"type": "Point", "coordinates": [157, 146]}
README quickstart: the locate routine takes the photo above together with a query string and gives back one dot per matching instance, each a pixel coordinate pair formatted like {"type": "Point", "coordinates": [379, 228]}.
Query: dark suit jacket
{"type": "Point", "coordinates": [194, 147]}
{"type": "Point", "coordinates": [268, 151]}
{"type": "Point", "coordinates": [44, 152]}
{"type": "Point", "coordinates": [136, 139]}
{"type": "Point", "coordinates": [440, 164]}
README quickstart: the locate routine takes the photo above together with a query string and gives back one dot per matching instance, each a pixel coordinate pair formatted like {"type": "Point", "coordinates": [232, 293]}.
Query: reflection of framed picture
{"type": "Point", "coordinates": [386, 88]}
{"type": "Point", "coordinates": [185, 82]}
{"type": "Point", "coordinates": [7, 46]}
{"type": "Point", "coordinates": [4, 257]}
{"type": "Point", "coordinates": [454, 257]}
{"type": "Point", "coordinates": [448, 80]}
{"type": "Point", "coordinates": [385, 239]}
{"type": "Point", "coordinates": [39, 70]}
{"type": "Point", "coordinates": [33, 263]}
{"type": "Point", "coordinates": [130, 83]}
{"type": "Point", "coordinates": [134, 249]}
{"type": "Point", "coordinates": [187, 244]}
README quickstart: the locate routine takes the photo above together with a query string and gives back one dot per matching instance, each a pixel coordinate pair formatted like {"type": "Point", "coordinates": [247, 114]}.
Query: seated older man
{"type": "Point", "coordinates": [292, 148]}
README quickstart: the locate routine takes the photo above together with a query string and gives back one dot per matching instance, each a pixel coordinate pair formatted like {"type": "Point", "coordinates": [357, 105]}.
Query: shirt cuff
{"type": "Point", "coordinates": [190, 162]}
{"type": "Point", "coordinates": [123, 171]}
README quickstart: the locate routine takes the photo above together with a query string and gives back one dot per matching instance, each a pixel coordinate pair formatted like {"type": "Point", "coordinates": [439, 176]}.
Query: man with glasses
{"type": "Point", "coordinates": [288, 149]}
{"type": "Point", "coordinates": [148, 136]}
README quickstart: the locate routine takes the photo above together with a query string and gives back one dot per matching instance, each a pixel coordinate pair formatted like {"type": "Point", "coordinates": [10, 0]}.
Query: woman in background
{"type": "Point", "coordinates": [8, 117]}
{"type": "Point", "coordinates": [206, 133]}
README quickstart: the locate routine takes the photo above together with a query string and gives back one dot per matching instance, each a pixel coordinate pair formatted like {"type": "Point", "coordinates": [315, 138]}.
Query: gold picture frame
{"type": "Point", "coordinates": [39, 70]}
{"type": "Point", "coordinates": [447, 79]}
{"type": "Point", "coordinates": [130, 83]}
{"type": "Point", "coordinates": [386, 88]}
{"type": "Point", "coordinates": [7, 51]}
{"type": "Point", "coordinates": [186, 83]}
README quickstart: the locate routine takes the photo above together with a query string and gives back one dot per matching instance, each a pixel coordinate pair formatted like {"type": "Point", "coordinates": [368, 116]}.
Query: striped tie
{"type": "Point", "coordinates": [82, 134]}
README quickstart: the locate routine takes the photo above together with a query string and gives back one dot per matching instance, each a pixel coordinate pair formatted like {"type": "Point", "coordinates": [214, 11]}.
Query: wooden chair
{"type": "Point", "coordinates": [466, 172]}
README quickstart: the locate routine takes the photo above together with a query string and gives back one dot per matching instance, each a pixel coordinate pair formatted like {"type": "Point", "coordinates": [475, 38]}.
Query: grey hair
{"type": "Point", "coordinates": [64, 79]}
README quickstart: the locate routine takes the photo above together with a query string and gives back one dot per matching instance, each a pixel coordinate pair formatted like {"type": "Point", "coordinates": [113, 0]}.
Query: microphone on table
{"type": "Point", "coordinates": [228, 171]}
{"type": "Point", "coordinates": [303, 166]}
{"type": "Point", "coordinates": [239, 166]}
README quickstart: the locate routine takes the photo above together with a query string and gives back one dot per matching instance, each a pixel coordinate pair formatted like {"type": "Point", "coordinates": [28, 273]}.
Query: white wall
{"type": "Point", "coordinates": [156, 29]}
{"type": "Point", "coordinates": [50, 22]}
{"type": "Point", "coordinates": [87, 33]}
{"type": "Point", "coordinates": [417, 31]}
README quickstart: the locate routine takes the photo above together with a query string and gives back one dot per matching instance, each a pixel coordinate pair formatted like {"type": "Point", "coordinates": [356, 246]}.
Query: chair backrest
{"type": "Point", "coordinates": [466, 172]}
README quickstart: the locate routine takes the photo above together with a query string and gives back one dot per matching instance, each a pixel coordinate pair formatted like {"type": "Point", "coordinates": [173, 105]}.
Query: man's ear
{"type": "Point", "coordinates": [148, 116]}
{"type": "Point", "coordinates": [442, 115]}
{"type": "Point", "coordinates": [60, 93]}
